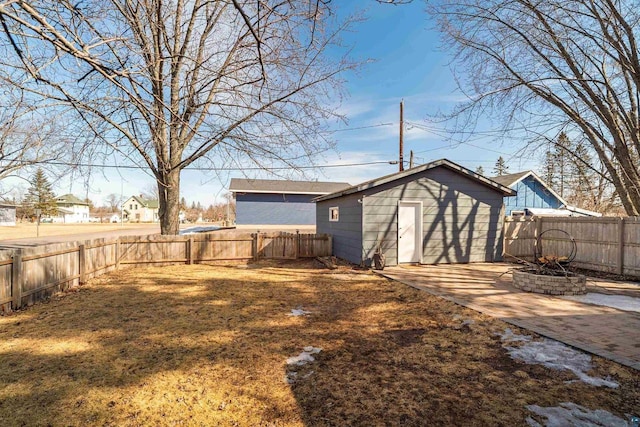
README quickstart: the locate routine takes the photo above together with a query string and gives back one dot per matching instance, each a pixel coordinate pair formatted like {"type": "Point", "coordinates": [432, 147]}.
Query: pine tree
{"type": "Point", "coordinates": [40, 196]}
{"type": "Point", "coordinates": [501, 167]}
{"type": "Point", "coordinates": [550, 175]}
{"type": "Point", "coordinates": [480, 170]}
{"type": "Point", "coordinates": [562, 148]}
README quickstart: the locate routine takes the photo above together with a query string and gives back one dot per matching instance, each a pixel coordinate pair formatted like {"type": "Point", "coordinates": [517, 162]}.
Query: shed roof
{"type": "Point", "coordinates": [398, 175]}
{"type": "Point", "coordinates": [241, 185]}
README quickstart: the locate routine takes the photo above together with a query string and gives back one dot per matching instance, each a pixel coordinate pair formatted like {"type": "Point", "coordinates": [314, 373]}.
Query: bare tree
{"type": "Point", "coordinates": [113, 202]}
{"type": "Point", "coordinates": [27, 137]}
{"type": "Point", "coordinates": [167, 84]}
{"type": "Point", "coordinates": [552, 66]}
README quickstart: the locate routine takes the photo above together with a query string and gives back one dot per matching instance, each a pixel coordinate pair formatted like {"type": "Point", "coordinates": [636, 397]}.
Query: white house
{"type": "Point", "coordinates": [139, 209]}
{"type": "Point", "coordinates": [7, 214]}
{"type": "Point", "coordinates": [71, 210]}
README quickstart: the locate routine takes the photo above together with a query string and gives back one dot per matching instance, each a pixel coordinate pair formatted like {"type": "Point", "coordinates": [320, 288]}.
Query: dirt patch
{"type": "Point", "coordinates": [405, 337]}
{"type": "Point", "coordinates": [208, 345]}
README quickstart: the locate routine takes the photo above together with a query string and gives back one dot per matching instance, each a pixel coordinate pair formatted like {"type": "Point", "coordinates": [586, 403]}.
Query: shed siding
{"type": "Point", "coordinates": [275, 209]}
{"type": "Point", "coordinates": [347, 231]}
{"type": "Point", "coordinates": [462, 219]}
{"type": "Point", "coordinates": [531, 194]}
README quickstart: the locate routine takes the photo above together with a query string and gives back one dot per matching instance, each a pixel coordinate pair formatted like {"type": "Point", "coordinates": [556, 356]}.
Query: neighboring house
{"type": "Point", "coordinates": [71, 210]}
{"type": "Point", "coordinates": [439, 212]}
{"type": "Point", "coordinates": [264, 203]}
{"type": "Point", "coordinates": [535, 197]}
{"type": "Point", "coordinates": [139, 209]}
{"type": "Point", "coordinates": [7, 214]}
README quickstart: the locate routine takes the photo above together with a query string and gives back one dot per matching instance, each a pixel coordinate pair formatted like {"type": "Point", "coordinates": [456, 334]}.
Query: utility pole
{"type": "Point", "coordinates": [401, 159]}
{"type": "Point", "coordinates": [411, 159]}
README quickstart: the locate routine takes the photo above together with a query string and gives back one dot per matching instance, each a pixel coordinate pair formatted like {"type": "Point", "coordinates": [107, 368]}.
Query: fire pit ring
{"type": "Point", "coordinates": [530, 280]}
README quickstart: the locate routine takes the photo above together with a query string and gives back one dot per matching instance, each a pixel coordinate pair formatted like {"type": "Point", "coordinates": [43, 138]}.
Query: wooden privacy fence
{"type": "Point", "coordinates": [32, 274]}
{"type": "Point", "coordinates": [603, 244]}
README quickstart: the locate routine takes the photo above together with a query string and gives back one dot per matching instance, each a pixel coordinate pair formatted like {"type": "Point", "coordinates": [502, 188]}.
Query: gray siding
{"type": "Point", "coordinates": [347, 231]}
{"type": "Point", "coordinates": [462, 219]}
{"type": "Point", "coordinates": [275, 209]}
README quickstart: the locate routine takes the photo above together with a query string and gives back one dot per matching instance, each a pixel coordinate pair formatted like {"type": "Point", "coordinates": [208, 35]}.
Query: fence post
{"type": "Point", "coordinates": [190, 250]}
{"type": "Point", "coordinates": [258, 244]}
{"type": "Point", "coordinates": [82, 263]}
{"type": "Point", "coordinates": [254, 246]}
{"type": "Point", "coordinates": [538, 220]}
{"type": "Point", "coordinates": [118, 253]}
{"type": "Point", "coordinates": [621, 246]}
{"type": "Point", "coordinates": [16, 279]}
{"type": "Point", "coordinates": [297, 245]}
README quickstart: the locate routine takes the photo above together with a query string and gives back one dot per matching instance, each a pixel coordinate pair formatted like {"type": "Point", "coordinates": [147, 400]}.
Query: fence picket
{"type": "Point", "coordinates": [37, 273]}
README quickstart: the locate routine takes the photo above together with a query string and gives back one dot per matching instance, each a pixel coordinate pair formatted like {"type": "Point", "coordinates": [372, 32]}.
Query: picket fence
{"type": "Point", "coordinates": [28, 275]}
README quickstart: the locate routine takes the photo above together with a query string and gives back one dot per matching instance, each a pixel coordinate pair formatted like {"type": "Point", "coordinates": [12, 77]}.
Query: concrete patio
{"type": "Point", "coordinates": [607, 332]}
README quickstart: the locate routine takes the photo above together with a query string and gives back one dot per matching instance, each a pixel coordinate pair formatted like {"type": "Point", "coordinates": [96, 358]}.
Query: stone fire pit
{"type": "Point", "coordinates": [530, 281]}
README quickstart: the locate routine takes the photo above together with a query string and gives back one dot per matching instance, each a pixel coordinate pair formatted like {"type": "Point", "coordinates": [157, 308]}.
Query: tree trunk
{"type": "Point", "coordinates": [169, 201]}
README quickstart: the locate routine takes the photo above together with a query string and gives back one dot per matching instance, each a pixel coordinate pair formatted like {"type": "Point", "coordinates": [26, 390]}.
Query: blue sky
{"type": "Point", "coordinates": [407, 63]}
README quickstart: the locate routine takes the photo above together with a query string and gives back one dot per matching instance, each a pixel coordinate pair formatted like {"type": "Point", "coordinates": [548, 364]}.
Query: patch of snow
{"type": "Point", "coordinates": [467, 322]}
{"type": "Point", "coordinates": [621, 302]}
{"type": "Point", "coordinates": [509, 336]}
{"type": "Point", "coordinates": [570, 414]}
{"type": "Point", "coordinates": [201, 229]}
{"type": "Point", "coordinates": [554, 355]}
{"type": "Point", "coordinates": [298, 312]}
{"type": "Point", "coordinates": [304, 357]}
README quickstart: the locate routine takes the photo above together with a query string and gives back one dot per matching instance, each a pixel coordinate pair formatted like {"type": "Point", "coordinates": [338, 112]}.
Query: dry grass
{"type": "Point", "coordinates": [207, 345]}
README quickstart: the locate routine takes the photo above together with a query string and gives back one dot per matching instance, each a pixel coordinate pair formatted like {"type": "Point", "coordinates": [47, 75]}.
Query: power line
{"type": "Point", "coordinates": [209, 169]}
{"type": "Point", "coordinates": [358, 128]}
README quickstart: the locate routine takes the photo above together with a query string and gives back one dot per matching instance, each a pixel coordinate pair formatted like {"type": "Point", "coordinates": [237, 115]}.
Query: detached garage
{"type": "Point", "coordinates": [439, 212]}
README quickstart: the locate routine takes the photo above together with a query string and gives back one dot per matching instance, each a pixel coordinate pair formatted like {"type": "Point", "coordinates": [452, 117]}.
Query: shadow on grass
{"type": "Point", "coordinates": [208, 345]}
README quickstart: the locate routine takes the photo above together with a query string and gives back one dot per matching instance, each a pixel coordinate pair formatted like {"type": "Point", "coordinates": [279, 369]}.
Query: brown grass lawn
{"type": "Point", "coordinates": [207, 345]}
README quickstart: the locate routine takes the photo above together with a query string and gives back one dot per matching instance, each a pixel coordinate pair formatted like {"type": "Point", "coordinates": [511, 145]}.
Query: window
{"type": "Point", "coordinates": [131, 206]}
{"type": "Point", "coordinates": [136, 206]}
{"type": "Point", "coordinates": [334, 213]}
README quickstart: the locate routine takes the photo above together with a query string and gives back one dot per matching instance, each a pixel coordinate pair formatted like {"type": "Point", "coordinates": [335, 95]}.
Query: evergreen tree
{"type": "Point", "coordinates": [562, 148]}
{"type": "Point", "coordinates": [550, 174]}
{"type": "Point", "coordinates": [501, 167]}
{"type": "Point", "coordinates": [480, 170]}
{"type": "Point", "coordinates": [40, 196]}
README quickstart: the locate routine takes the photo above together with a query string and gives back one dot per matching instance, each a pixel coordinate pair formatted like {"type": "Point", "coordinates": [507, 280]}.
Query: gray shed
{"type": "Point", "coordinates": [439, 212]}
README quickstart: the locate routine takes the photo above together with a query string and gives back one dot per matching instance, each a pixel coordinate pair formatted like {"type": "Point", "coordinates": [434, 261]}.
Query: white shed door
{"type": "Point", "coordinates": [409, 231]}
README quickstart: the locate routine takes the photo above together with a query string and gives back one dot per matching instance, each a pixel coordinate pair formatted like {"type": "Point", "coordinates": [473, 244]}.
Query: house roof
{"type": "Point", "coordinates": [512, 179]}
{"type": "Point", "coordinates": [147, 203]}
{"type": "Point", "coordinates": [71, 199]}
{"type": "Point", "coordinates": [418, 169]}
{"type": "Point", "coordinates": [241, 185]}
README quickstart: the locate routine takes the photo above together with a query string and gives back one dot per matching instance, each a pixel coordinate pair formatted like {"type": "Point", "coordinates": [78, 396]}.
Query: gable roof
{"type": "Point", "coordinates": [512, 179]}
{"type": "Point", "coordinates": [241, 185]}
{"type": "Point", "coordinates": [146, 203]}
{"type": "Point", "coordinates": [71, 199]}
{"type": "Point", "coordinates": [418, 169]}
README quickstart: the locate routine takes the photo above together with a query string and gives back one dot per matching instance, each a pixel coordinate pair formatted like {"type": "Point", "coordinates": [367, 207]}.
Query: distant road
{"type": "Point", "coordinates": [70, 233]}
